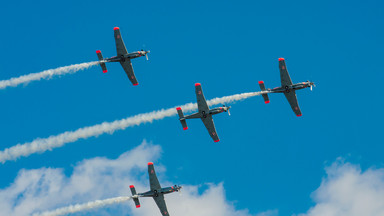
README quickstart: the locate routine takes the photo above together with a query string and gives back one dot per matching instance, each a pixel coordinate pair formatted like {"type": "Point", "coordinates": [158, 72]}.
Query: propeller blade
{"type": "Point", "coordinates": [311, 88]}
{"type": "Point", "coordinates": [229, 113]}
{"type": "Point", "coordinates": [146, 56]}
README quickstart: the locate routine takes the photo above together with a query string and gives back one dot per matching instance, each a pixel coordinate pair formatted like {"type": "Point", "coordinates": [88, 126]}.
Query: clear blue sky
{"type": "Point", "coordinates": [267, 157]}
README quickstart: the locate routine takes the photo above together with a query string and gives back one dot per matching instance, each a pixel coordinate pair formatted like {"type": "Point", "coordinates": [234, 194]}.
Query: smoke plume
{"type": "Point", "coordinates": [41, 145]}
{"type": "Point", "coordinates": [83, 207]}
{"type": "Point", "coordinates": [47, 74]}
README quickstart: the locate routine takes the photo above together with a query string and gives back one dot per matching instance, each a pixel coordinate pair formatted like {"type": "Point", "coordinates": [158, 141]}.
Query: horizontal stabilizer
{"type": "Point", "coordinates": [102, 64]}
{"type": "Point", "coordinates": [181, 118]}
{"type": "Point", "coordinates": [135, 199]}
{"type": "Point", "coordinates": [265, 96]}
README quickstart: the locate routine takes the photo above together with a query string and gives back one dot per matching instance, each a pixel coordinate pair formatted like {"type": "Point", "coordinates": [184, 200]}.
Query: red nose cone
{"type": "Point", "coordinates": [116, 28]}
{"type": "Point", "coordinates": [281, 59]}
{"type": "Point", "coordinates": [178, 108]}
{"type": "Point", "coordinates": [105, 71]}
{"type": "Point", "coordinates": [197, 84]}
{"type": "Point", "coordinates": [186, 128]}
{"type": "Point", "coordinates": [138, 206]}
{"type": "Point", "coordinates": [261, 82]}
{"type": "Point", "coordinates": [267, 102]}
{"type": "Point", "coordinates": [136, 84]}
{"type": "Point", "coordinates": [299, 115]}
{"type": "Point", "coordinates": [131, 186]}
{"type": "Point", "coordinates": [217, 140]}
{"type": "Point", "coordinates": [98, 51]}
{"type": "Point", "coordinates": [150, 163]}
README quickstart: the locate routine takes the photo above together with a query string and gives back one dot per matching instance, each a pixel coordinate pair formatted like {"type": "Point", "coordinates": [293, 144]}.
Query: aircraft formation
{"type": "Point", "coordinates": [288, 88]}
{"type": "Point", "coordinates": [205, 113]}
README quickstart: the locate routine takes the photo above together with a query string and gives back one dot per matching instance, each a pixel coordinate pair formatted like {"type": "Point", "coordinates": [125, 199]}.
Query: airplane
{"type": "Point", "coordinates": [123, 57]}
{"type": "Point", "coordinates": [156, 192]}
{"type": "Point", "coordinates": [205, 114]}
{"type": "Point", "coordinates": [287, 87]}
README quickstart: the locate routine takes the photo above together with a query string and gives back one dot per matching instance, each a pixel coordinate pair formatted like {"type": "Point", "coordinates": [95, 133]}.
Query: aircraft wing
{"type": "Point", "coordinates": [292, 99]}
{"type": "Point", "coordinates": [284, 75]}
{"type": "Point", "coordinates": [160, 202]}
{"type": "Point", "coordinates": [208, 122]}
{"type": "Point", "coordinates": [201, 102]}
{"type": "Point", "coordinates": [127, 66]}
{"type": "Point", "coordinates": [120, 47]}
{"type": "Point", "coordinates": [153, 181]}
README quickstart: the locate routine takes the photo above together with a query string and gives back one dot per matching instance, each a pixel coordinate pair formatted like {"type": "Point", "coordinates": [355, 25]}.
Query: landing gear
{"type": "Point", "coordinates": [287, 89]}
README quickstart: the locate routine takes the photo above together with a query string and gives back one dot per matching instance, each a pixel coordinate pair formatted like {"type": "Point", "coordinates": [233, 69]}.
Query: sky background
{"type": "Point", "coordinates": [267, 158]}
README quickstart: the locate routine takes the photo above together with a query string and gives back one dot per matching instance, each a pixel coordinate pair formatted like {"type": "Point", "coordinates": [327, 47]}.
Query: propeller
{"type": "Point", "coordinates": [179, 190]}
{"type": "Point", "coordinates": [229, 113]}
{"type": "Point", "coordinates": [146, 53]}
{"type": "Point", "coordinates": [311, 84]}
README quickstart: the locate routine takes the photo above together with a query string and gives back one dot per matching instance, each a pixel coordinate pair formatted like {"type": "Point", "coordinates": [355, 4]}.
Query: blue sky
{"type": "Point", "coordinates": [267, 157]}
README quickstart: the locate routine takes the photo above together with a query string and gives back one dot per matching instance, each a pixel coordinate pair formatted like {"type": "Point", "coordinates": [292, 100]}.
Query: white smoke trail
{"type": "Point", "coordinates": [40, 145]}
{"type": "Point", "coordinates": [83, 207]}
{"type": "Point", "coordinates": [47, 74]}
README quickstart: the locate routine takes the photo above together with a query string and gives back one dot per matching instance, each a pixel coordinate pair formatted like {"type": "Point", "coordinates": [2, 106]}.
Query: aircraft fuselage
{"type": "Point", "coordinates": [289, 88]}
{"type": "Point", "coordinates": [204, 114]}
{"type": "Point", "coordinates": [122, 58]}
{"type": "Point", "coordinates": [156, 193]}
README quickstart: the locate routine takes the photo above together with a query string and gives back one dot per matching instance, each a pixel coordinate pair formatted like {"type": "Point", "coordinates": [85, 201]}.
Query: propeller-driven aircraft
{"type": "Point", "coordinates": [205, 114]}
{"type": "Point", "coordinates": [287, 87]}
{"type": "Point", "coordinates": [122, 56]}
{"type": "Point", "coordinates": [156, 192]}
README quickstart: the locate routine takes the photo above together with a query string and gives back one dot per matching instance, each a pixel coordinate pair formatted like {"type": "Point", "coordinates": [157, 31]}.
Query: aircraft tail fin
{"type": "Point", "coordinates": [265, 96]}
{"type": "Point", "coordinates": [181, 118]}
{"type": "Point", "coordinates": [134, 196]}
{"type": "Point", "coordinates": [102, 64]}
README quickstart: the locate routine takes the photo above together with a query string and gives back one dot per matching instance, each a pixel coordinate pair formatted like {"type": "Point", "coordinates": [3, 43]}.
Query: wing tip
{"type": "Point", "coordinates": [197, 84]}
{"type": "Point", "coordinates": [116, 28]}
{"type": "Point", "coordinates": [281, 59]}
{"type": "Point", "coordinates": [217, 140]}
{"type": "Point", "coordinates": [150, 163]}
